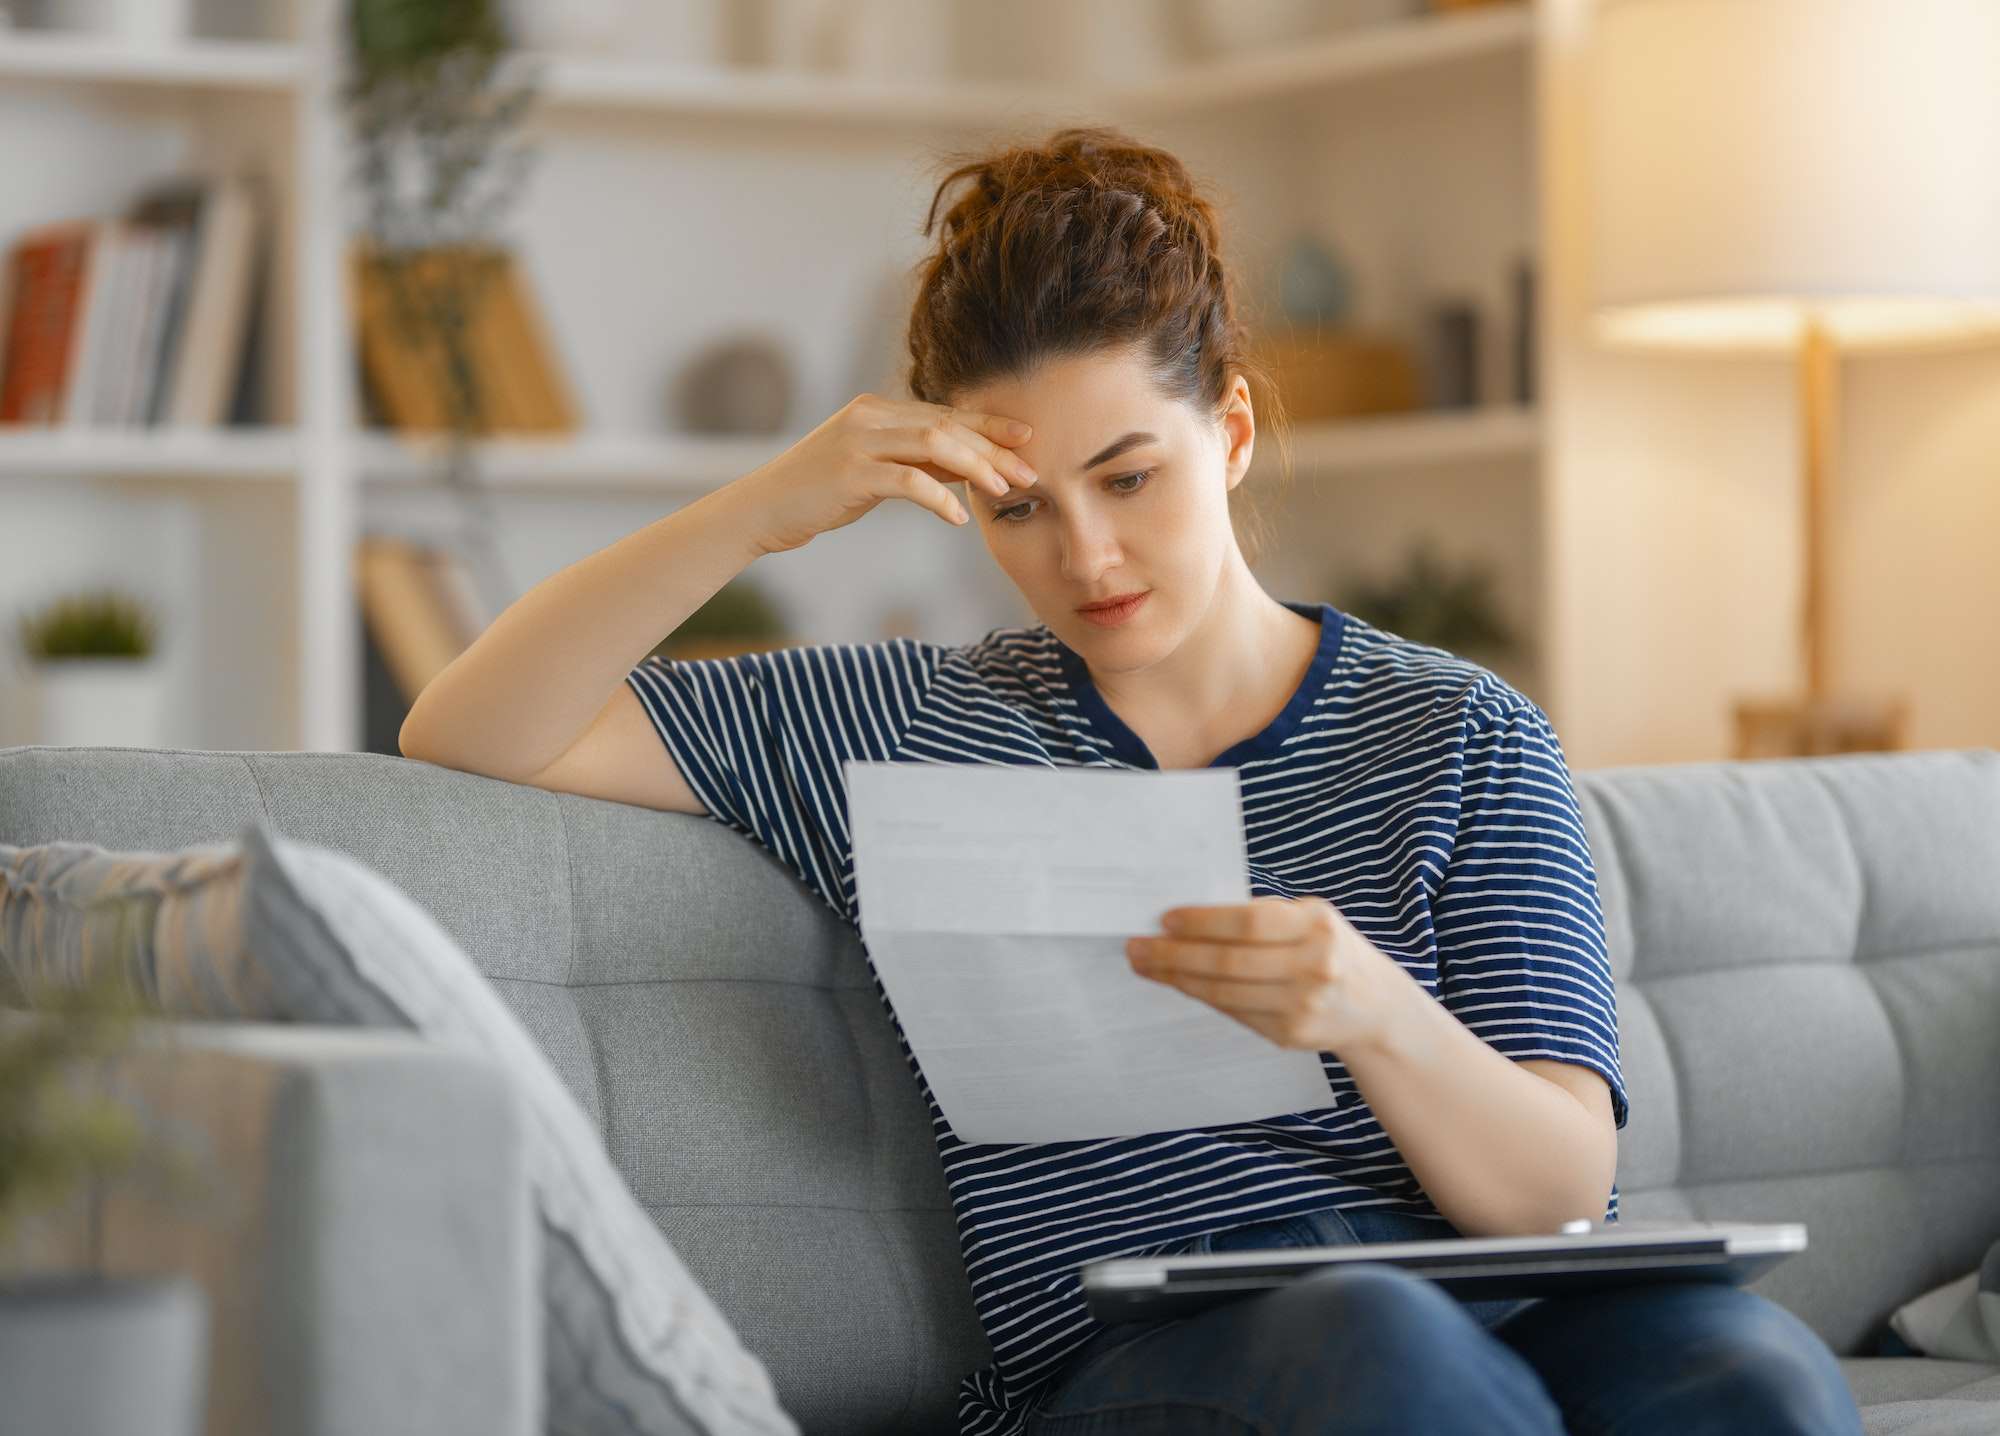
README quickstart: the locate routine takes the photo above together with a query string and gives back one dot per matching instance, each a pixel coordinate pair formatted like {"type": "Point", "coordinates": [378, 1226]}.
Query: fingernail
{"type": "Point", "coordinates": [1018, 429]}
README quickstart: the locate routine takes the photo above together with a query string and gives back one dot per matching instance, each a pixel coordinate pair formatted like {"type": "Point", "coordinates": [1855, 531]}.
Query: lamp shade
{"type": "Point", "coordinates": [1757, 161]}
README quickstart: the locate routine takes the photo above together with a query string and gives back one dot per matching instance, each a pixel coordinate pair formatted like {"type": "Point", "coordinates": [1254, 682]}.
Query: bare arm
{"type": "Point", "coordinates": [540, 694]}
{"type": "Point", "coordinates": [1499, 1146]}
{"type": "Point", "coordinates": [538, 677]}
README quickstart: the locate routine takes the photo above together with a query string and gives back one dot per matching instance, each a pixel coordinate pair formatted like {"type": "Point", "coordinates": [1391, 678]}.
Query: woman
{"type": "Point", "coordinates": [1425, 913]}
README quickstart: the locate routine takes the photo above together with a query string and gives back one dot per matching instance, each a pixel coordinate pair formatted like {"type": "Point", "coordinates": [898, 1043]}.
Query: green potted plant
{"type": "Point", "coordinates": [95, 675]}
{"type": "Point", "coordinates": [434, 95]}
{"type": "Point", "coordinates": [83, 1353]}
{"type": "Point", "coordinates": [1431, 602]}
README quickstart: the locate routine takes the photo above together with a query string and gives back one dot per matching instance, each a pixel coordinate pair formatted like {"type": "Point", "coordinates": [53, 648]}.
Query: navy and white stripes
{"type": "Point", "coordinates": [1418, 792]}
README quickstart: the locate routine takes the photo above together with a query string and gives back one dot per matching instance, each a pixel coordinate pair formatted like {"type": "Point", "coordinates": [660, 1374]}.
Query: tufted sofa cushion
{"type": "Point", "coordinates": [1808, 964]}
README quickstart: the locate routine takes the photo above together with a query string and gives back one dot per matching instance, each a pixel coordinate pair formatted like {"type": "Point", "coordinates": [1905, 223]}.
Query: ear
{"type": "Point", "coordinates": [1239, 432]}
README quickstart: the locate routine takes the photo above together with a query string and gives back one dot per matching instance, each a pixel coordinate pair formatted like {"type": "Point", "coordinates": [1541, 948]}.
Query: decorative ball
{"type": "Point", "coordinates": [736, 386]}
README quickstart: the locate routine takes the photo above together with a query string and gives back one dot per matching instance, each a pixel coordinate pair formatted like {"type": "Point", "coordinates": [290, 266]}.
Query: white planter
{"type": "Point", "coordinates": [92, 1356]}
{"type": "Point", "coordinates": [98, 702]}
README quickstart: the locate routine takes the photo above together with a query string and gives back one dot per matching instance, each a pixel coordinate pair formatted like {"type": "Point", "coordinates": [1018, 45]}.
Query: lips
{"type": "Point", "coordinates": [1119, 601]}
{"type": "Point", "coordinates": [1118, 614]}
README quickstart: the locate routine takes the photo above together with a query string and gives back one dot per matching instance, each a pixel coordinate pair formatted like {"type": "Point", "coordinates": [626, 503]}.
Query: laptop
{"type": "Point", "coordinates": [1583, 1255]}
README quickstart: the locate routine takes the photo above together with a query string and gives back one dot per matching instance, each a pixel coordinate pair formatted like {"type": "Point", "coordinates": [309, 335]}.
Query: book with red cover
{"type": "Point", "coordinates": [47, 283]}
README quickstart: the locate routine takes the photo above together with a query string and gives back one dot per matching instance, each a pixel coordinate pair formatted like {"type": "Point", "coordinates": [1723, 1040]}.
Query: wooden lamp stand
{"type": "Point", "coordinates": [1818, 721]}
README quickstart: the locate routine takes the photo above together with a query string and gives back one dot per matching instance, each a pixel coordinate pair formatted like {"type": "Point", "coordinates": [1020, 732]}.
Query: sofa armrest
{"type": "Point", "coordinates": [362, 1226]}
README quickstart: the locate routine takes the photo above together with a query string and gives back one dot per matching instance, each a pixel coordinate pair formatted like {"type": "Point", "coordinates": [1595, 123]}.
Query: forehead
{"type": "Point", "coordinates": [1081, 401]}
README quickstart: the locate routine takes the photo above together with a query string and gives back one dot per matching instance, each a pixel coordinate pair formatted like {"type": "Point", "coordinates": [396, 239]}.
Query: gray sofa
{"type": "Point", "coordinates": [1808, 963]}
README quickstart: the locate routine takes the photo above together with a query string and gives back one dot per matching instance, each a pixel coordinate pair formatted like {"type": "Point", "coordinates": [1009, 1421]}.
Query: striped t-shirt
{"type": "Point", "coordinates": [1418, 792]}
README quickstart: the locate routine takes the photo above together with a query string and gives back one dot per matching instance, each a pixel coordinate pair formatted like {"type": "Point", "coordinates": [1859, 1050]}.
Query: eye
{"type": "Point", "coordinates": [1143, 475]}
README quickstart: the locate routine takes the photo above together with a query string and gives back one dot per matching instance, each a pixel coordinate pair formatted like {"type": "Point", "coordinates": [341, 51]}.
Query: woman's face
{"type": "Point", "coordinates": [1108, 515]}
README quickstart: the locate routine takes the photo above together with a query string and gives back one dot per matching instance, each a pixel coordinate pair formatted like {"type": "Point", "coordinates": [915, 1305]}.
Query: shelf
{"type": "Point", "coordinates": [694, 464]}
{"type": "Point", "coordinates": [573, 83]}
{"type": "Point", "coordinates": [584, 83]}
{"type": "Point", "coordinates": [687, 463]}
{"type": "Point", "coordinates": [1358, 53]}
{"type": "Point", "coordinates": [690, 464]}
{"type": "Point", "coordinates": [254, 453]}
{"type": "Point", "coordinates": [578, 83]}
{"type": "Point", "coordinates": [189, 64]}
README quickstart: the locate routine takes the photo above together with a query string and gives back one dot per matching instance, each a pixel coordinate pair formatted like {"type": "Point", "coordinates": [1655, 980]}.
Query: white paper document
{"type": "Point", "coordinates": [996, 901]}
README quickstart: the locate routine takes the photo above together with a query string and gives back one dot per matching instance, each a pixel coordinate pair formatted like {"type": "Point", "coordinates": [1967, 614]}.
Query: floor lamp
{"type": "Point", "coordinates": [1803, 177]}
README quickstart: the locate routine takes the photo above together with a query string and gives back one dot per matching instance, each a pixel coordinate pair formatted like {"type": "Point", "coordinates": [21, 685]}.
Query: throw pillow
{"type": "Point", "coordinates": [1959, 1320]}
{"type": "Point", "coordinates": [271, 928]}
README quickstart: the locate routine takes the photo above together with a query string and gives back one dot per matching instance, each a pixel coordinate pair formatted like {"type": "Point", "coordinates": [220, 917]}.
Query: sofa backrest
{"type": "Point", "coordinates": [1808, 964]}
{"type": "Point", "coordinates": [1807, 954]}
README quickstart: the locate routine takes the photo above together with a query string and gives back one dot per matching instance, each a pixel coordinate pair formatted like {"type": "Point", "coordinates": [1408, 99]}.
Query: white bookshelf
{"type": "Point", "coordinates": [221, 100]}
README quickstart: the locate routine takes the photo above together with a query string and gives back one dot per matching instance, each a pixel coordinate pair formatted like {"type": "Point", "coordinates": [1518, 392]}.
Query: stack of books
{"type": "Point", "coordinates": [150, 317]}
{"type": "Point", "coordinates": [516, 382]}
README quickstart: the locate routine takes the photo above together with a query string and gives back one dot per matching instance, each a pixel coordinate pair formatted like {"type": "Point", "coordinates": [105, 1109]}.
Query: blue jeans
{"type": "Point", "coordinates": [1371, 1348]}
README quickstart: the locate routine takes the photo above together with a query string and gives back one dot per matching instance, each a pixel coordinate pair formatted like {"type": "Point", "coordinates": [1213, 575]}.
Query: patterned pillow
{"type": "Point", "coordinates": [269, 928]}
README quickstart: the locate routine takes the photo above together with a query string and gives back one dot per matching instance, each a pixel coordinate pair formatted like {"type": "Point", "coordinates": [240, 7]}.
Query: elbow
{"type": "Point", "coordinates": [1588, 1195]}
{"type": "Point", "coordinates": [1581, 1190]}
{"type": "Point", "coordinates": [1542, 1200]}
{"type": "Point", "coordinates": [1541, 1214]}
{"type": "Point", "coordinates": [409, 738]}
{"type": "Point", "coordinates": [408, 743]}
{"type": "Point", "coordinates": [1597, 1173]}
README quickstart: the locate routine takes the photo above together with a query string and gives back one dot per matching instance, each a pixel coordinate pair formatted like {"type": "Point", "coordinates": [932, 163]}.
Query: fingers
{"type": "Point", "coordinates": [1263, 919]}
{"type": "Point", "coordinates": [961, 441]}
{"type": "Point", "coordinates": [997, 427]}
{"type": "Point", "coordinates": [945, 446]}
{"type": "Point", "coordinates": [1252, 963]}
{"type": "Point", "coordinates": [1273, 999]}
{"type": "Point", "coordinates": [919, 487]}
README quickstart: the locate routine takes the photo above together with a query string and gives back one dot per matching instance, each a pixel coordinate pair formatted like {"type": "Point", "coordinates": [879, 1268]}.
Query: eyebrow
{"type": "Point", "coordinates": [1118, 446]}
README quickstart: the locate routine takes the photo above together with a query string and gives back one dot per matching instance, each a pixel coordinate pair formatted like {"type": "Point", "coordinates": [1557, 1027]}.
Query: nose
{"type": "Point", "coordinates": [1089, 547]}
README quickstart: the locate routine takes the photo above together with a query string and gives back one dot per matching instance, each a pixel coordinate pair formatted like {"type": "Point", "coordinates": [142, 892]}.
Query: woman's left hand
{"type": "Point", "coordinates": [1293, 969]}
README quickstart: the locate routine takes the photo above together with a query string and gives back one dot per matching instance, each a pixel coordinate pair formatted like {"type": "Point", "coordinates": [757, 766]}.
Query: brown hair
{"type": "Point", "coordinates": [1085, 242]}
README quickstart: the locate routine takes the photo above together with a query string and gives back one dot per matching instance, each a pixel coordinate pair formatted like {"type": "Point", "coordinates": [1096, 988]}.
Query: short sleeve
{"type": "Point", "coordinates": [1522, 959]}
{"type": "Point", "coordinates": [760, 738]}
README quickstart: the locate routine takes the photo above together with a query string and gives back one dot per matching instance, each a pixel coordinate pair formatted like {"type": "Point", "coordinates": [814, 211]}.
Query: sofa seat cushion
{"type": "Point", "coordinates": [1879, 1379]}
{"type": "Point", "coordinates": [1924, 1395]}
